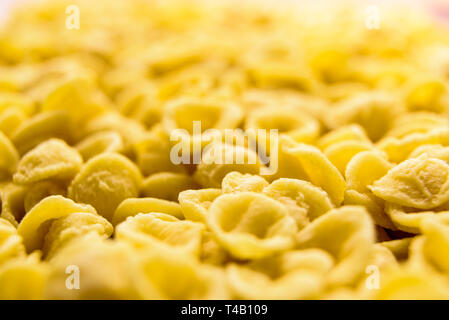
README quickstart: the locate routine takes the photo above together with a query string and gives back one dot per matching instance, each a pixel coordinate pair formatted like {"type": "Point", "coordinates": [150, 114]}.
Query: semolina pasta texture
{"type": "Point", "coordinates": [222, 150]}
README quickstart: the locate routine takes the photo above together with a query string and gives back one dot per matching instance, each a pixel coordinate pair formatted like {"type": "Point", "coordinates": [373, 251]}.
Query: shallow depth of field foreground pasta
{"type": "Point", "coordinates": [339, 117]}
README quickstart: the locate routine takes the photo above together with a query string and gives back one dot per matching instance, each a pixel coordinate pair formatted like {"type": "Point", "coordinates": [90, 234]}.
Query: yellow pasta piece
{"type": "Point", "coordinates": [52, 159]}
{"type": "Point", "coordinates": [436, 242]}
{"type": "Point", "coordinates": [418, 183]}
{"type": "Point", "coordinates": [182, 277]}
{"type": "Point", "coordinates": [182, 113]}
{"type": "Point", "coordinates": [374, 206]}
{"type": "Point", "coordinates": [341, 153]}
{"type": "Point", "coordinates": [301, 129]}
{"type": "Point", "coordinates": [416, 122]}
{"type": "Point", "coordinates": [149, 230]}
{"type": "Point", "coordinates": [304, 201]}
{"type": "Point", "coordinates": [167, 185]}
{"type": "Point", "coordinates": [10, 119]}
{"type": "Point", "coordinates": [211, 251]}
{"type": "Point", "coordinates": [410, 220]}
{"type": "Point", "coordinates": [78, 98]}
{"type": "Point", "coordinates": [277, 75]}
{"type": "Point", "coordinates": [220, 159]}
{"type": "Point", "coordinates": [23, 279]}
{"type": "Point", "coordinates": [398, 247]}
{"type": "Point", "coordinates": [96, 262]}
{"type": "Point", "coordinates": [413, 285]}
{"type": "Point", "coordinates": [73, 226]}
{"type": "Point", "coordinates": [9, 156]}
{"type": "Point", "coordinates": [347, 233]}
{"type": "Point", "coordinates": [37, 221]}
{"type": "Point", "coordinates": [105, 181]}
{"type": "Point", "coordinates": [153, 153]}
{"type": "Point", "coordinates": [130, 131]}
{"type": "Point", "coordinates": [40, 190]}
{"type": "Point", "coordinates": [251, 225]}
{"type": "Point", "coordinates": [399, 149]}
{"type": "Point", "coordinates": [248, 284]}
{"type": "Point", "coordinates": [103, 141]}
{"type": "Point", "coordinates": [195, 203]}
{"type": "Point", "coordinates": [426, 94]}
{"type": "Point", "coordinates": [10, 242]}
{"type": "Point", "coordinates": [305, 162]}
{"type": "Point", "coordinates": [45, 125]}
{"type": "Point", "coordinates": [237, 182]}
{"type": "Point", "coordinates": [133, 206]}
{"type": "Point", "coordinates": [373, 111]}
{"type": "Point", "coordinates": [352, 132]}
{"type": "Point", "coordinates": [12, 201]}
{"type": "Point", "coordinates": [365, 168]}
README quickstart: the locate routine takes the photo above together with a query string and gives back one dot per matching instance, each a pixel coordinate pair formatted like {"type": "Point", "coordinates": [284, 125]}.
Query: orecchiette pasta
{"type": "Point", "coordinates": [165, 150]}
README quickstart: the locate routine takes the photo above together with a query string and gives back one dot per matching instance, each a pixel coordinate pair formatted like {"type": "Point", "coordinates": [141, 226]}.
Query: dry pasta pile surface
{"type": "Point", "coordinates": [94, 205]}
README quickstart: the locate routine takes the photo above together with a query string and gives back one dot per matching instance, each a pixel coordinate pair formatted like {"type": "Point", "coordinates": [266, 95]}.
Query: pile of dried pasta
{"type": "Point", "coordinates": [93, 207]}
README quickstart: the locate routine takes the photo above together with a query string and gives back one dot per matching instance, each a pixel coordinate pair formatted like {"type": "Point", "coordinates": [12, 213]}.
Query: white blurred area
{"type": "Point", "coordinates": [439, 9]}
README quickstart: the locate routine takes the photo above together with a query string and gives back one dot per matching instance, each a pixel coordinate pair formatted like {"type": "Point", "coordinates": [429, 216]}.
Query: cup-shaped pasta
{"type": "Point", "coordinates": [220, 159]}
{"type": "Point", "coordinates": [251, 225]}
{"type": "Point", "coordinates": [12, 202]}
{"type": "Point", "coordinates": [167, 185]}
{"type": "Point", "coordinates": [352, 132]}
{"type": "Point", "coordinates": [23, 279]}
{"type": "Point", "coordinates": [195, 203]}
{"type": "Point", "coordinates": [298, 125]}
{"type": "Point", "coordinates": [40, 190]}
{"type": "Point", "coordinates": [9, 157]}
{"type": "Point", "coordinates": [153, 153]}
{"type": "Point", "coordinates": [133, 206]}
{"type": "Point", "coordinates": [410, 284]}
{"type": "Point", "coordinates": [10, 119]}
{"type": "Point", "coordinates": [159, 230]}
{"type": "Point", "coordinates": [42, 126]}
{"type": "Point", "coordinates": [296, 274]}
{"type": "Point", "coordinates": [304, 201]}
{"type": "Point", "coordinates": [237, 182]}
{"type": "Point", "coordinates": [253, 99]}
{"type": "Point", "coordinates": [78, 98]}
{"type": "Point", "coordinates": [358, 178]}
{"type": "Point", "coordinates": [305, 162]}
{"type": "Point", "coordinates": [10, 242]}
{"type": "Point", "coordinates": [421, 182]}
{"type": "Point", "coordinates": [399, 247]}
{"type": "Point", "coordinates": [341, 153]}
{"type": "Point", "coordinates": [347, 233]}
{"type": "Point", "coordinates": [108, 271]}
{"type": "Point", "coordinates": [399, 149]}
{"type": "Point", "coordinates": [193, 120]}
{"type": "Point", "coordinates": [416, 122]}
{"type": "Point", "coordinates": [211, 251]}
{"type": "Point", "coordinates": [50, 160]}
{"type": "Point", "coordinates": [36, 223]}
{"type": "Point", "coordinates": [281, 75]}
{"type": "Point", "coordinates": [105, 181]}
{"type": "Point", "coordinates": [130, 131]}
{"type": "Point", "coordinates": [373, 111]}
{"type": "Point", "coordinates": [180, 276]}
{"type": "Point", "coordinates": [436, 243]}
{"type": "Point", "coordinates": [100, 142]}
{"type": "Point", "coordinates": [425, 93]}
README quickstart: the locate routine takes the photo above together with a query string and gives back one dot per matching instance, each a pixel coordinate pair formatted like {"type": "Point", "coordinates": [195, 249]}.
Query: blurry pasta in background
{"type": "Point", "coordinates": [93, 177]}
